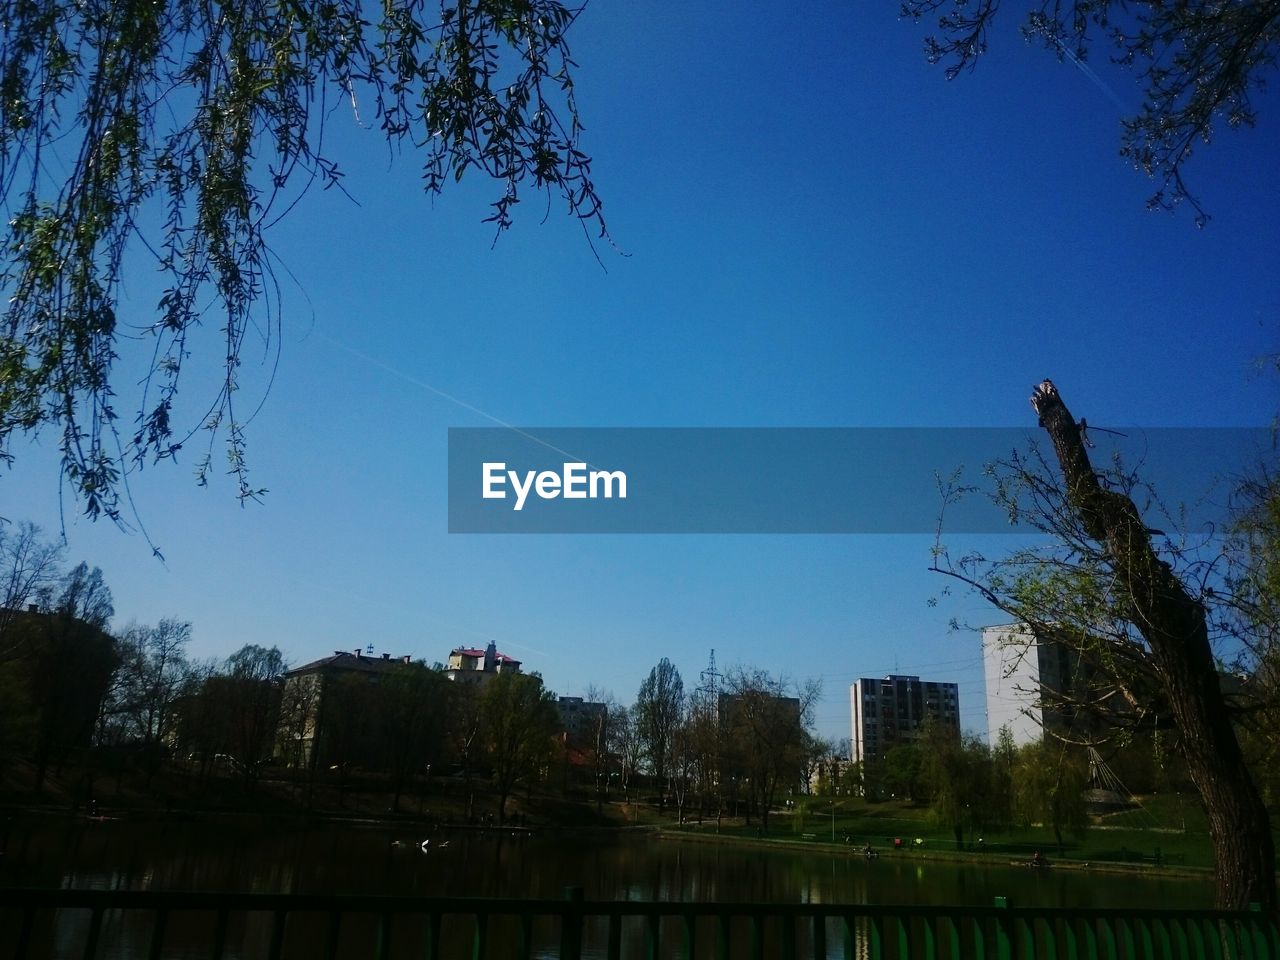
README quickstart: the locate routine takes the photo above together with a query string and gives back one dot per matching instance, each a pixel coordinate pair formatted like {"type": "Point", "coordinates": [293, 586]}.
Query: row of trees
{"type": "Point", "coordinates": [71, 686]}
{"type": "Point", "coordinates": [56, 659]}
{"type": "Point", "coordinates": [733, 745]}
{"type": "Point", "coordinates": [730, 746]}
{"type": "Point", "coordinates": [413, 722]}
{"type": "Point", "coordinates": [974, 789]}
{"type": "Point", "coordinates": [68, 683]}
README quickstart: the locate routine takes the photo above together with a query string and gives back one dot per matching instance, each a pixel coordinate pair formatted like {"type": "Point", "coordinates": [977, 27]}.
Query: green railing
{"type": "Point", "coordinates": [38, 924]}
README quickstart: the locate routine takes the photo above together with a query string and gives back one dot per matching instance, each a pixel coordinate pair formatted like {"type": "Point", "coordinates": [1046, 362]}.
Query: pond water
{"type": "Point", "coordinates": [333, 858]}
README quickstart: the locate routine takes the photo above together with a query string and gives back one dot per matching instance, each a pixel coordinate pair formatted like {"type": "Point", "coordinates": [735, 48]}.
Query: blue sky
{"type": "Point", "coordinates": [818, 230]}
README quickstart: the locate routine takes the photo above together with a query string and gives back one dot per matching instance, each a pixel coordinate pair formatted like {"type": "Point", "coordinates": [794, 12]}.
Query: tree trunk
{"type": "Point", "coordinates": [1174, 626]}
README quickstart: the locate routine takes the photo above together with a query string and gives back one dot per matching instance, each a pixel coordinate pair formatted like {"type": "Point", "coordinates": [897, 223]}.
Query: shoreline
{"type": "Point", "coordinates": [364, 821]}
{"type": "Point", "coordinates": [936, 855]}
{"type": "Point", "coordinates": [554, 820]}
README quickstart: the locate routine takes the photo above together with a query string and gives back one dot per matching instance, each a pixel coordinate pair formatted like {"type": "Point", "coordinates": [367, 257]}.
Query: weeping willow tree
{"type": "Point", "coordinates": [1143, 614]}
{"type": "Point", "coordinates": [178, 133]}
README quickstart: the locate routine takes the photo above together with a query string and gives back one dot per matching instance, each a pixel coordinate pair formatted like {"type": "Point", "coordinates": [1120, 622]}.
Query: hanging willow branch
{"type": "Point", "coordinates": [179, 132]}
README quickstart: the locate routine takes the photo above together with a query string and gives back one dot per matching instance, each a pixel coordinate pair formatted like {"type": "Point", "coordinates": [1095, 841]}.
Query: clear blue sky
{"type": "Point", "coordinates": [819, 231]}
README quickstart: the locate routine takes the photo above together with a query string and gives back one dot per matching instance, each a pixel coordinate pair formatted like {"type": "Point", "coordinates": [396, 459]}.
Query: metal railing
{"type": "Point", "coordinates": [574, 928]}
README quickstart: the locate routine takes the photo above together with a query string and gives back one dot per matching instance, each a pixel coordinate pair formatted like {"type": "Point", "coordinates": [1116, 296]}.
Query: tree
{"type": "Point", "coordinates": [17, 716]}
{"type": "Point", "coordinates": [659, 709]}
{"type": "Point", "coordinates": [1139, 619]}
{"type": "Point", "coordinates": [707, 743]}
{"type": "Point", "coordinates": [56, 659]}
{"type": "Point", "coordinates": [827, 760]}
{"type": "Point", "coordinates": [765, 729]}
{"type": "Point", "coordinates": [196, 732]}
{"type": "Point", "coordinates": [1004, 758]}
{"type": "Point", "coordinates": [519, 722]}
{"type": "Point", "coordinates": [29, 568]}
{"type": "Point", "coordinates": [348, 730]}
{"type": "Point", "coordinates": [900, 772]}
{"type": "Point", "coordinates": [683, 765]}
{"type": "Point", "coordinates": [627, 744]}
{"type": "Point", "coordinates": [188, 130]}
{"type": "Point", "coordinates": [152, 674]}
{"type": "Point", "coordinates": [413, 705]}
{"type": "Point", "coordinates": [1259, 730]}
{"type": "Point", "coordinates": [1049, 784]}
{"type": "Point", "coordinates": [466, 734]}
{"type": "Point", "coordinates": [819, 758]}
{"type": "Point", "coordinates": [85, 597]}
{"type": "Point", "coordinates": [1199, 63]}
{"type": "Point", "coordinates": [63, 666]}
{"type": "Point", "coordinates": [599, 736]}
{"type": "Point", "coordinates": [1253, 596]}
{"type": "Point", "coordinates": [245, 699]}
{"type": "Point", "coordinates": [956, 772]}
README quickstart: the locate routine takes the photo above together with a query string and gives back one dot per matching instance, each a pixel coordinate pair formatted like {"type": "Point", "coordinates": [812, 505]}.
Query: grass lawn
{"type": "Point", "coordinates": [1170, 830]}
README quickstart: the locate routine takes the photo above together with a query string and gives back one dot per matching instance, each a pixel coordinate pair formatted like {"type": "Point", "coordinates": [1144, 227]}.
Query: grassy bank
{"type": "Point", "coordinates": [1163, 832]}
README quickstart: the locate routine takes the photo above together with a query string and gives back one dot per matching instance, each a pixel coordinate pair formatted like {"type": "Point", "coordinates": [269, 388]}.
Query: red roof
{"type": "Point", "coordinates": [476, 652]}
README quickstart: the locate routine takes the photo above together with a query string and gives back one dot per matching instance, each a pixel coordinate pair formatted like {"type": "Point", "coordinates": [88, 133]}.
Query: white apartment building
{"type": "Point", "coordinates": [1019, 668]}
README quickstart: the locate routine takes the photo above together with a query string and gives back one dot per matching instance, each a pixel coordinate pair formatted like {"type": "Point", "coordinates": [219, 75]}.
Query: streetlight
{"type": "Point", "coordinates": [833, 821]}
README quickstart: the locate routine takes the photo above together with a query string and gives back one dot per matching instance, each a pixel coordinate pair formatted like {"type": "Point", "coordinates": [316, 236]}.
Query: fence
{"type": "Point", "coordinates": [39, 924]}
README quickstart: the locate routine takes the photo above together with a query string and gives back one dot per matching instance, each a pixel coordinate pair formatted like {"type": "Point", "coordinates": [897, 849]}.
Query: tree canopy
{"type": "Point", "coordinates": [659, 709]}
{"type": "Point", "coordinates": [178, 134]}
{"type": "Point", "coordinates": [519, 718]}
{"type": "Point", "coordinates": [1199, 63]}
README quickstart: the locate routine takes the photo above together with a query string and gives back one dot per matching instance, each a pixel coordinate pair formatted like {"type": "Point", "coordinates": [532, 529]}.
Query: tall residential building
{"type": "Point", "coordinates": [893, 710]}
{"type": "Point", "coordinates": [1021, 668]}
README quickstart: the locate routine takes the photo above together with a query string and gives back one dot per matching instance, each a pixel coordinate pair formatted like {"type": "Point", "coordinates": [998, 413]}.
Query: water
{"type": "Point", "coordinates": [330, 858]}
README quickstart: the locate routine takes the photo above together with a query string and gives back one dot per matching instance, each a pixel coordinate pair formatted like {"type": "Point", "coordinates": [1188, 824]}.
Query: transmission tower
{"type": "Point", "coordinates": [709, 679]}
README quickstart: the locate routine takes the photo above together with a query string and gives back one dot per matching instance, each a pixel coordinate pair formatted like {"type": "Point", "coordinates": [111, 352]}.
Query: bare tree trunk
{"type": "Point", "coordinates": [1173, 624]}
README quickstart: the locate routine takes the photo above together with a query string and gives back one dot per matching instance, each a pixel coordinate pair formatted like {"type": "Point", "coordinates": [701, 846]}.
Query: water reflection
{"type": "Point", "coordinates": [329, 858]}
